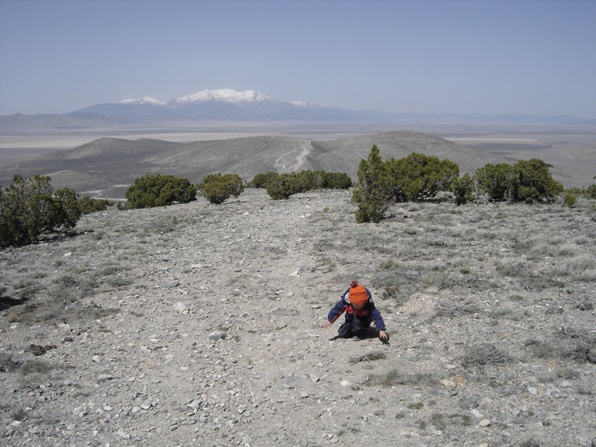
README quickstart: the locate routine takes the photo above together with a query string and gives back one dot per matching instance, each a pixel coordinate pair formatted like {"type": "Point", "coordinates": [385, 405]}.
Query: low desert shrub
{"type": "Point", "coordinates": [591, 191]}
{"type": "Point", "coordinates": [283, 186]}
{"type": "Point", "coordinates": [495, 181]}
{"type": "Point", "coordinates": [89, 205]}
{"type": "Point", "coordinates": [217, 188]}
{"type": "Point", "coordinates": [18, 414]}
{"type": "Point", "coordinates": [483, 354]}
{"type": "Point", "coordinates": [395, 377]}
{"type": "Point", "coordinates": [526, 181]}
{"type": "Point", "coordinates": [569, 200]}
{"type": "Point", "coordinates": [7, 363]}
{"type": "Point", "coordinates": [336, 180]}
{"type": "Point", "coordinates": [450, 309]}
{"type": "Point", "coordinates": [261, 180]}
{"type": "Point", "coordinates": [35, 367]}
{"type": "Point", "coordinates": [418, 177]}
{"type": "Point", "coordinates": [463, 189]}
{"type": "Point", "coordinates": [533, 182]}
{"type": "Point", "coordinates": [29, 207]}
{"type": "Point", "coordinates": [374, 192]}
{"type": "Point", "coordinates": [150, 191]}
{"type": "Point", "coordinates": [306, 180]}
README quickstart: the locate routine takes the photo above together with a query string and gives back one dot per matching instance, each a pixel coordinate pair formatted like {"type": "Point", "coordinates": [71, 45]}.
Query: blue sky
{"type": "Point", "coordinates": [428, 56]}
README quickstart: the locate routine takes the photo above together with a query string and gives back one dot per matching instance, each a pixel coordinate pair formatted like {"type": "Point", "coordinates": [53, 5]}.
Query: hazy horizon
{"type": "Point", "coordinates": [457, 56]}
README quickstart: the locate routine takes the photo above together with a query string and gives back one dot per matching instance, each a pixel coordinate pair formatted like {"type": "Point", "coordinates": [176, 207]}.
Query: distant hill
{"type": "Point", "coordinates": [242, 106]}
{"type": "Point", "coordinates": [107, 166]}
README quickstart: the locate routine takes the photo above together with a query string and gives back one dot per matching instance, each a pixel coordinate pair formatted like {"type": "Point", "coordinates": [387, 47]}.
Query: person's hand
{"type": "Point", "coordinates": [326, 324]}
{"type": "Point", "coordinates": [383, 336]}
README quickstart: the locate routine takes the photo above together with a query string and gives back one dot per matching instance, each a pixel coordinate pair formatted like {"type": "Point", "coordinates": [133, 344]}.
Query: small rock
{"type": "Point", "coordinates": [448, 384]}
{"type": "Point", "coordinates": [217, 335]}
{"type": "Point", "coordinates": [467, 404]}
{"type": "Point", "coordinates": [105, 377]}
{"type": "Point", "coordinates": [484, 423]}
{"type": "Point", "coordinates": [459, 380]}
{"type": "Point", "coordinates": [180, 307]}
{"type": "Point", "coordinates": [123, 434]}
{"type": "Point", "coordinates": [476, 413]}
{"type": "Point", "coordinates": [519, 421]}
{"type": "Point", "coordinates": [80, 411]}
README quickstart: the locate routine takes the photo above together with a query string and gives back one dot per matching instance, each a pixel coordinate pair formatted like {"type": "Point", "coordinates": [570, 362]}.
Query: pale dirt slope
{"type": "Point", "coordinates": [97, 167]}
{"type": "Point", "coordinates": [200, 325]}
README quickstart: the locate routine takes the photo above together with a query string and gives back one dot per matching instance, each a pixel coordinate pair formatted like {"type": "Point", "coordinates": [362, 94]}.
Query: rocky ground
{"type": "Point", "coordinates": [200, 325]}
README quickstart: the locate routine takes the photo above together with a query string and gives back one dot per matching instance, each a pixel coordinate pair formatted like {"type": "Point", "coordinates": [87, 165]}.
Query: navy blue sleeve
{"type": "Point", "coordinates": [377, 318]}
{"type": "Point", "coordinates": [336, 311]}
{"type": "Point", "coordinates": [375, 314]}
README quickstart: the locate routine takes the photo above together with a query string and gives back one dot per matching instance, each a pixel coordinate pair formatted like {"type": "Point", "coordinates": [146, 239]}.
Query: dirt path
{"type": "Point", "coordinates": [290, 163]}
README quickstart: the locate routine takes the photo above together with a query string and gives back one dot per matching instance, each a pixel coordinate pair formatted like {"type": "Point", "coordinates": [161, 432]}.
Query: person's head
{"type": "Point", "coordinates": [358, 295]}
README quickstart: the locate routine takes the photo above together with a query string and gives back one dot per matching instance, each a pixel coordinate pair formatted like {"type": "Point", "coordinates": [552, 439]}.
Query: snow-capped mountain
{"type": "Point", "coordinates": [309, 104]}
{"type": "Point", "coordinates": [249, 105]}
{"type": "Point", "coordinates": [221, 104]}
{"type": "Point", "coordinates": [144, 100]}
{"type": "Point", "coordinates": [226, 95]}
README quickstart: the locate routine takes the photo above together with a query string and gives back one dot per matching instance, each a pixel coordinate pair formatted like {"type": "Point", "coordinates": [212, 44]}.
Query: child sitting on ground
{"type": "Point", "coordinates": [360, 311]}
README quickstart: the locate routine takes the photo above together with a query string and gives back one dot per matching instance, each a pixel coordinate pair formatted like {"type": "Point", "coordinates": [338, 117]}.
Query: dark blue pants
{"type": "Point", "coordinates": [354, 327]}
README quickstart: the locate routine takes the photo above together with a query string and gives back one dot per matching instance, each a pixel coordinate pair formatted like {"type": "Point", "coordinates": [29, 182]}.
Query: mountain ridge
{"type": "Point", "coordinates": [110, 165]}
{"type": "Point", "coordinates": [243, 106]}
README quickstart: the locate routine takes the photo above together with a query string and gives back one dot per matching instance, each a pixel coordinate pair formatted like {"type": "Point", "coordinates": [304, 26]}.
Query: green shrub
{"type": "Point", "coordinates": [305, 180]}
{"type": "Point", "coordinates": [526, 181]}
{"type": "Point", "coordinates": [310, 180]}
{"type": "Point", "coordinates": [419, 176]}
{"type": "Point", "coordinates": [495, 181]}
{"type": "Point", "coordinates": [374, 192]}
{"type": "Point", "coordinates": [336, 180]}
{"type": "Point", "coordinates": [284, 185]}
{"type": "Point", "coordinates": [533, 182]}
{"type": "Point", "coordinates": [89, 205]}
{"type": "Point", "coordinates": [463, 189]}
{"type": "Point", "coordinates": [569, 200]}
{"type": "Point", "coordinates": [591, 191]}
{"type": "Point", "coordinates": [159, 190]}
{"type": "Point", "coordinates": [67, 207]}
{"type": "Point", "coordinates": [261, 180]}
{"type": "Point", "coordinates": [217, 188]}
{"type": "Point", "coordinates": [29, 208]}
